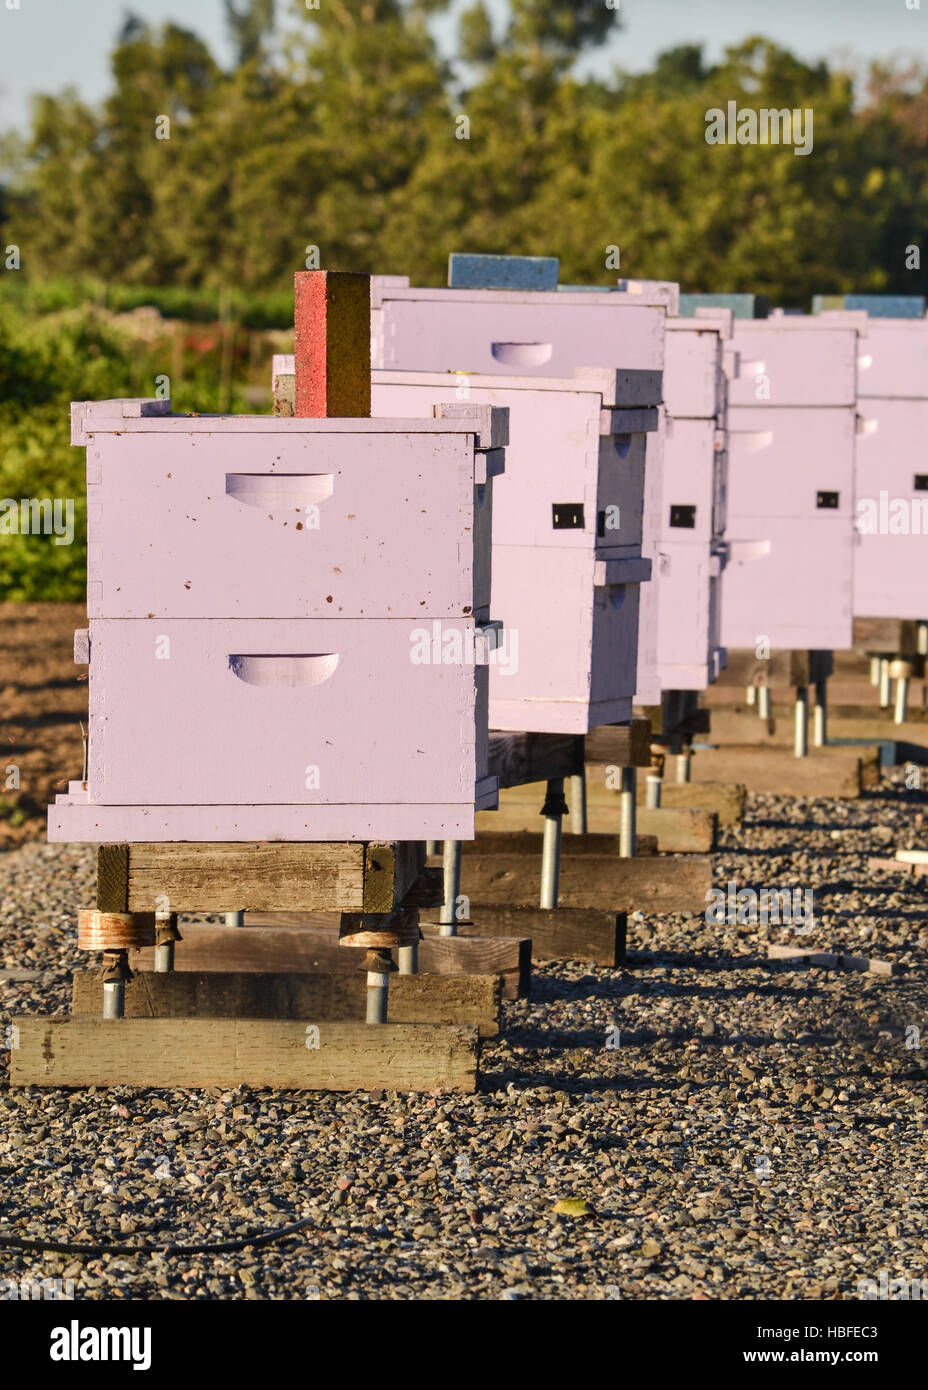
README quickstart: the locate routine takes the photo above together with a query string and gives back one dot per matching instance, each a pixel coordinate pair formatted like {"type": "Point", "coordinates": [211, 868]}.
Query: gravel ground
{"type": "Point", "coordinates": [736, 1128]}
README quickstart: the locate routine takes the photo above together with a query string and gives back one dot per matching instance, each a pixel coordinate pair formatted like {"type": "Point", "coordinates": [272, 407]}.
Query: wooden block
{"type": "Point", "coordinates": [828, 960]}
{"type": "Point", "coordinates": [886, 636]}
{"type": "Point", "coordinates": [169, 1053]}
{"type": "Point", "coordinates": [673, 829]}
{"type": "Point", "coordinates": [655, 884]}
{"type": "Point", "coordinates": [825, 772]}
{"type": "Point", "coordinates": [890, 866]}
{"type": "Point", "coordinates": [464, 999]}
{"type": "Point", "coordinates": [267, 876]}
{"type": "Point", "coordinates": [726, 799]}
{"type": "Point", "coordinates": [302, 946]}
{"type": "Point", "coordinates": [332, 327]}
{"type": "Point", "coordinates": [622, 745]}
{"type": "Point", "coordinates": [562, 933]}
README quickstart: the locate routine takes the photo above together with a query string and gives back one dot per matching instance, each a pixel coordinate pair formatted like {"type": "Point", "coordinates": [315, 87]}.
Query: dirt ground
{"type": "Point", "coordinates": [43, 702]}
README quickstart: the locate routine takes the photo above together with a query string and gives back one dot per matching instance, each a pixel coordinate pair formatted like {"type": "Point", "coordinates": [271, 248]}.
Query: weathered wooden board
{"type": "Point", "coordinates": [676, 830]}
{"type": "Point", "coordinates": [562, 933]}
{"type": "Point", "coordinates": [302, 946]}
{"type": "Point", "coordinates": [623, 745]}
{"type": "Point", "coordinates": [910, 739]}
{"type": "Point", "coordinates": [530, 842]}
{"type": "Point", "coordinates": [467, 999]}
{"type": "Point", "coordinates": [658, 883]}
{"type": "Point", "coordinates": [264, 1053]}
{"type": "Point", "coordinates": [726, 799]}
{"type": "Point", "coordinates": [825, 772]}
{"type": "Point", "coordinates": [886, 636]}
{"type": "Point", "coordinates": [267, 876]}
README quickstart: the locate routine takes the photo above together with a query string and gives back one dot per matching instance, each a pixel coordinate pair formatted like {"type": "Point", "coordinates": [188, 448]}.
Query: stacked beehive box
{"type": "Point", "coordinates": [288, 632]}
{"type": "Point", "coordinates": [523, 333]}
{"type": "Point", "coordinates": [693, 473]}
{"type": "Point", "coordinates": [789, 513]}
{"type": "Point", "coordinates": [890, 575]}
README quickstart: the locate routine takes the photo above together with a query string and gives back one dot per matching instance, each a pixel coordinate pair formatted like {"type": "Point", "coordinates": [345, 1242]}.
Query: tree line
{"type": "Point", "coordinates": [340, 136]}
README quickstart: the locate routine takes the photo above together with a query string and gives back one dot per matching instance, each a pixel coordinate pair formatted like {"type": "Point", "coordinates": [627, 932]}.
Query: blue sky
{"type": "Point", "coordinates": [49, 44]}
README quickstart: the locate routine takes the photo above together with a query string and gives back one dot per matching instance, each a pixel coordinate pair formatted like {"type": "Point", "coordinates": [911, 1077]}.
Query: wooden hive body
{"type": "Point", "coordinates": [551, 334]}
{"type": "Point", "coordinates": [287, 633]}
{"type": "Point", "coordinates": [789, 510]}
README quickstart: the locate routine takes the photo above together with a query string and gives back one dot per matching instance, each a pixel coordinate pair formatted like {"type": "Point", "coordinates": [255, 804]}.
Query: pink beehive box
{"type": "Point", "coordinates": [288, 635]}
{"type": "Point", "coordinates": [891, 501]}
{"type": "Point", "coordinates": [543, 333]}
{"type": "Point", "coordinates": [698, 361]}
{"type": "Point", "coordinates": [567, 529]}
{"type": "Point", "coordinates": [789, 510]}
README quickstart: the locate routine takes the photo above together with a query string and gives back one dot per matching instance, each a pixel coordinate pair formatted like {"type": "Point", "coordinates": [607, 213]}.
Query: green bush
{"type": "Point", "coordinates": [77, 354]}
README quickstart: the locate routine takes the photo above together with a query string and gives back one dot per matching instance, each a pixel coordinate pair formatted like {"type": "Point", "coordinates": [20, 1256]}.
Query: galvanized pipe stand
{"type": "Point", "coordinates": [553, 810]}
{"type": "Point", "coordinates": [115, 934]}
{"type": "Point", "coordinates": [379, 934]}
{"type": "Point", "coordinates": [820, 715]}
{"type": "Point", "coordinates": [628, 816]}
{"type": "Point", "coordinates": [166, 934]}
{"type": "Point", "coordinates": [801, 733]}
{"type": "Point", "coordinates": [451, 873]}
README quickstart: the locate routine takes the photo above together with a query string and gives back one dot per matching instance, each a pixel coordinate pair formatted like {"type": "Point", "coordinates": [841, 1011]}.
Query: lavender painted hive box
{"type": "Point", "coordinates": [693, 477]}
{"type": "Point", "coordinates": [542, 333]}
{"type": "Point", "coordinates": [288, 634]}
{"type": "Point", "coordinates": [790, 496]}
{"type": "Point", "coordinates": [891, 503]}
{"type": "Point", "coordinates": [567, 528]}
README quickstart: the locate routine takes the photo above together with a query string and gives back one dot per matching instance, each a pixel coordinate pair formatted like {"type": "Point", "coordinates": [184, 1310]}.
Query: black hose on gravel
{"type": "Point", "coordinates": [217, 1247]}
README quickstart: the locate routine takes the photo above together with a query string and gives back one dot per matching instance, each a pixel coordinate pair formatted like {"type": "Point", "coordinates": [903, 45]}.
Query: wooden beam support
{"type": "Point", "coordinates": [837, 772]}
{"type": "Point", "coordinates": [675, 829]}
{"type": "Point", "coordinates": [174, 1053]}
{"type": "Point", "coordinates": [465, 999]}
{"type": "Point", "coordinates": [266, 876]}
{"type": "Point", "coordinates": [562, 933]}
{"type": "Point", "coordinates": [658, 883]}
{"type": "Point", "coordinates": [623, 745]}
{"type": "Point", "coordinates": [726, 800]}
{"type": "Point", "coordinates": [301, 946]}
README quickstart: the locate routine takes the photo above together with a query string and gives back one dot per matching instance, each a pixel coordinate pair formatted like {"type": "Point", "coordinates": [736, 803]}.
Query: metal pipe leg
{"type": "Point", "coordinates": [628, 814]}
{"type": "Point", "coordinates": [921, 637]}
{"type": "Point", "coordinates": [553, 811]}
{"type": "Point", "coordinates": [820, 715]}
{"type": "Point", "coordinates": [578, 803]}
{"type": "Point", "coordinates": [235, 919]}
{"type": "Point", "coordinates": [407, 958]}
{"type": "Point", "coordinates": [801, 739]}
{"type": "Point", "coordinates": [901, 710]}
{"type": "Point", "coordinates": [884, 683]}
{"type": "Point", "coordinates": [763, 701]}
{"type": "Point", "coordinates": [653, 784]}
{"type": "Point", "coordinates": [751, 694]}
{"type": "Point", "coordinates": [115, 973]}
{"type": "Point", "coordinates": [431, 847]}
{"type": "Point", "coordinates": [874, 671]}
{"type": "Point", "coordinates": [451, 867]}
{"type": "Point", "coordinates": [378, 985]}
{"type": "Point", "coordinates": [683, 765]}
